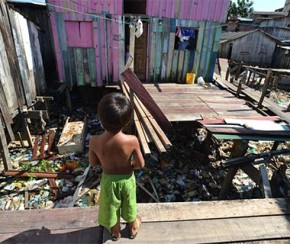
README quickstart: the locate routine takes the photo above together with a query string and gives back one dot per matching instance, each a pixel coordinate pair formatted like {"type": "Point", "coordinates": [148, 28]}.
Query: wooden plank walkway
{"type": "Point", "coordinates": [190, 102]}
{"type": "Point", "coordinates": [189, 222]}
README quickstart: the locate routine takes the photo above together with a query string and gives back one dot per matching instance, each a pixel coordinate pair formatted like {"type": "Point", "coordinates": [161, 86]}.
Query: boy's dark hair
{"type": "Point", "coordinates": [114, 111]}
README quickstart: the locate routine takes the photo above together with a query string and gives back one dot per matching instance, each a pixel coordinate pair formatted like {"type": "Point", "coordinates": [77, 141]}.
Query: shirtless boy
{"type": "Point", "coordinates": [113, 151]}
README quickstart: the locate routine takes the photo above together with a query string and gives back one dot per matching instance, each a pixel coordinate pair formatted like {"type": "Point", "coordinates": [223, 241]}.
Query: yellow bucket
{"type": "Point", "coordinates": [190, 78]}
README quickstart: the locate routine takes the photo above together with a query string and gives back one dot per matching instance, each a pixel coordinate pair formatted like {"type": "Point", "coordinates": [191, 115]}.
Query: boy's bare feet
{"type": "Point", "coordinates": [134, 227]}
{"type": "Point", "coordinates": [116, 232]}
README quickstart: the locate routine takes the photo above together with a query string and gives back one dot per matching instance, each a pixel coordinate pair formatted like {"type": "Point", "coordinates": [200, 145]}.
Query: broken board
{"type": "Point", "coordinates": [72, 137]}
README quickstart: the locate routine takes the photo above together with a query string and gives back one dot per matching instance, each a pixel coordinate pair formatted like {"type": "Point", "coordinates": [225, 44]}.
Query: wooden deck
{"type": "Point", "coordinates": [266, 220]}
{"type": "Point", "coordinates": [190, 102]}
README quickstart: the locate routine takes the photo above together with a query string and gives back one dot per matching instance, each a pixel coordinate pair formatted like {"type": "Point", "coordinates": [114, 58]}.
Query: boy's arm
{"type": "Point", "coordinates": [93, 158]}
{"type": "Point", "coordinates": [138, 160]}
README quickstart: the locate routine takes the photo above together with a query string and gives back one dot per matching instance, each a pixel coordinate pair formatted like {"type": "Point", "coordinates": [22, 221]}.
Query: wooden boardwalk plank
{"type": "Point", "coordinates": [183, 102]}
{"type": "Point", "coordinates": [189, 222]}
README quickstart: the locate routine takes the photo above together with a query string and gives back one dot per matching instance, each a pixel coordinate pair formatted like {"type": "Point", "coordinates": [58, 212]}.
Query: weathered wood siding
{"type": "Point", "coordinates": [15, 89]}
{"type": "Point", "coordinates": [279, 22]}
{"type": "Point", "coordinates": [281, 58]}
{"type": "Point", "coordinates": [88, 42]}
{"type": "Point", "coordinates": [224, 49]}
{"type": "Point", "coordinates": [198, 10]}
{"type": "Point", "coordinates": [21, 68]}
{"type": "Point", "coordinates": [255, 48]}
{"type": "Point", "coordinates": [281, 33]}
{"type": "Point", "coordinates": [89, 39]}
{"type": "Point", "coordinates": [172, 65]}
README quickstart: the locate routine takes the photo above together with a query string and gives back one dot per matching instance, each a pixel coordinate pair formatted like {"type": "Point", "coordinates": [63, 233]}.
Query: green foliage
{"type": "Point", "coordinates": [241, 8]}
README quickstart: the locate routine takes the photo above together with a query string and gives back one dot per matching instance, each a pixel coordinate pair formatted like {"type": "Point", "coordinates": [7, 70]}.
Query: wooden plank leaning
{"type": "Point", "coordinates": [140, 131]}
{"type": "Point", "coordinates": [167, 144]}
{"type": "Point", "coordinates": [148, 125]}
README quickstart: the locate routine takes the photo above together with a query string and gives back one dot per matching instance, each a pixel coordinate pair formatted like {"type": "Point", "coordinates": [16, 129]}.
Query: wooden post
{"type": "Point", "coordinates": [68, 99]}
{"type": "Point", "coordinates": [265, 87]}
{"type": "Point", "coordinates": [239, 88]}
{"type": "Point", "coordinates": [239, 70]}
{"type": "Point", "coordinates": [277, 80]}
{"type": "Point", "coordinates": [249, 77]}
{"type": "Point", "coordinates": [239, 150]}
{"type": "Point", "coordinates": [265, 184]}
{"type": "Point", "coordinates": [26, 130]}
{"type": "Point", "coordinates": [132, 47]}
{"type": "Point", "coordinates": [275, 145]}
{"type": "Point", "coordinates": [4, 146]}
{"type": "Point", "coordinates": [227, 74]}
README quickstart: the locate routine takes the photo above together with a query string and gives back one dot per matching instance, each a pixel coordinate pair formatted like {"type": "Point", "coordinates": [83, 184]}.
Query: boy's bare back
{"type": "Point", "coordinates": [113, 151]}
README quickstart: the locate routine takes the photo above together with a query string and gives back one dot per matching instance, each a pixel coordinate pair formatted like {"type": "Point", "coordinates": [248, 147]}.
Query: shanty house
{"type": "Point", "coordinates": [177, 37]}
{"type": "Point", "coordinates": [253, 48]}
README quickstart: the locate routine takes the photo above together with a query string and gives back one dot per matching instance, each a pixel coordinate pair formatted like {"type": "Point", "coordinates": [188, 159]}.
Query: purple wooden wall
{"type": "Point", "coordinates": [83, 33]}
{"type": "Point", "coordinates": [88, 6]}
{"type": "Point", "coordinates": [89, 44]}
{"type": "Point", "coordinates": [200, 10]}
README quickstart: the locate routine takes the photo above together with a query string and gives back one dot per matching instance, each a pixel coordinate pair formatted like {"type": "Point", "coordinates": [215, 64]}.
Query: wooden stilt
{"type": "Point", "coordinates": [265, 184]}
{"type": "Point", "coordinates": [4, 151]}
{"type": "Point", "coordinates": [265, 87]}
{"type": "Point", "coordinates": [239, 149]}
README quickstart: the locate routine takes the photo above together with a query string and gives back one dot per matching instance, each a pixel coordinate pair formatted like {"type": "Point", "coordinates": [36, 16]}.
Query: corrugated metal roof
{"type": "Point", "coordinates": [269, 13]}
{"type": "Point", "coordinates": [236, 35]}
{"type": "Point", "coordinates": [225, 36]}
{"type": "Point", "coordinates": [36, 2]}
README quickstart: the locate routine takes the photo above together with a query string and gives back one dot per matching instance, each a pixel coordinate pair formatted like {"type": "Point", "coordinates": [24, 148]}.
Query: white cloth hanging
{"type": "Point", "coordinates": [138, 28]}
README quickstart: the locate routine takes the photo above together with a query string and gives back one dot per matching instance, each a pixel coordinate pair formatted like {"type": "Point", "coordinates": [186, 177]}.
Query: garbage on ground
{"type": "Point", "coordinates": [185, 173]}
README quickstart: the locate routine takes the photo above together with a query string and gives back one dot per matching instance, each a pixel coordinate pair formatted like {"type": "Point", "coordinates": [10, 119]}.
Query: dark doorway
{"type": "Point", "coordinates": [134, 7]}
{"type": "Point", "coordinates": [140, 54]}
{"type": "Point", "coordinates": [137, 8]}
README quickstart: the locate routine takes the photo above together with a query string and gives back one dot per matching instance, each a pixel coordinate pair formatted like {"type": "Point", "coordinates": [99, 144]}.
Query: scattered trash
{"type": "Point", "coordinates": [185, 173]}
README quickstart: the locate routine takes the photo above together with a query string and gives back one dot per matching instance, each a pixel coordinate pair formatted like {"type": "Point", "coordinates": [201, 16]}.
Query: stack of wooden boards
{"type": "Point", "coordinates": [147, 128]}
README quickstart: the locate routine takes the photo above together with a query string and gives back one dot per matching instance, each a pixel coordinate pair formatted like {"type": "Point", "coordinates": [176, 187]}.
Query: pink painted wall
{"type": "Point", "coordinates": [199, 10]}
{"type": "Point", "coordinates": [88, 6]}
{"type": "Point", "coordinates": [79, 34]}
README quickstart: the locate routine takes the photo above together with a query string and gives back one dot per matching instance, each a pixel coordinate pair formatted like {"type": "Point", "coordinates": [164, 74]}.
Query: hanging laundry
{"type": "Point", "coordinates": [139, 28]}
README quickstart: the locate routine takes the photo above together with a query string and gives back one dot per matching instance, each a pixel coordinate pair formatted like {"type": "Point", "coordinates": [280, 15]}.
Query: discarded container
{"type": "Point", "coordinates": [200, 80]}
{"type": "Point", "coordinates": [72, 137]}
{"type": "Point", "coordinates": [190, 78]}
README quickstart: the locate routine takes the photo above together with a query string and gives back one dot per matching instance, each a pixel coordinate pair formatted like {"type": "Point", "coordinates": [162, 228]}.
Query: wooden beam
{"type": "Point", "coordinates": [17, 173]}
{"type": "Point", "coordinates": [43, 142]}
{"type": "Point", "coordinates": [43, 98]}
{"type": "Point", "coordinates": [36, 114]}
{"type": "Point", "coordinates": [239, 70]}
{"type": "Point", "coordinates": [240, 147]}
{"type": "Point", "coordinates": [227, 73]}
{"type": "Point", "coordinates": [252, 172]}
{"type": "Point", "coordinates": [140, 131]}
{"type": "Point", "coordinates": [265, 184]}
{"type": "Point", "coordinates": [227, 183]}
{"type": "Point", "coordinates": [35, 148]}
{"type": "Point", "coordinates": [51, 136]}
{"type": "Point", "coordinates": [265, 87]}
{"type": "Point", "coordinates": [4, 149]}
{"type": "Point", "coordinates": [148, 126]}
{"type": "Point", "coordinates": [132, 47]}
{"type": "Point", "coordinates": [167, 144]}
{"type": "Point", "coordinates": [138, 88]}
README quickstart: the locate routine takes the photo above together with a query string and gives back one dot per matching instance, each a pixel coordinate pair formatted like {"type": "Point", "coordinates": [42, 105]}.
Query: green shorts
{"type": "Point", "coordinates": [117, 198]}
